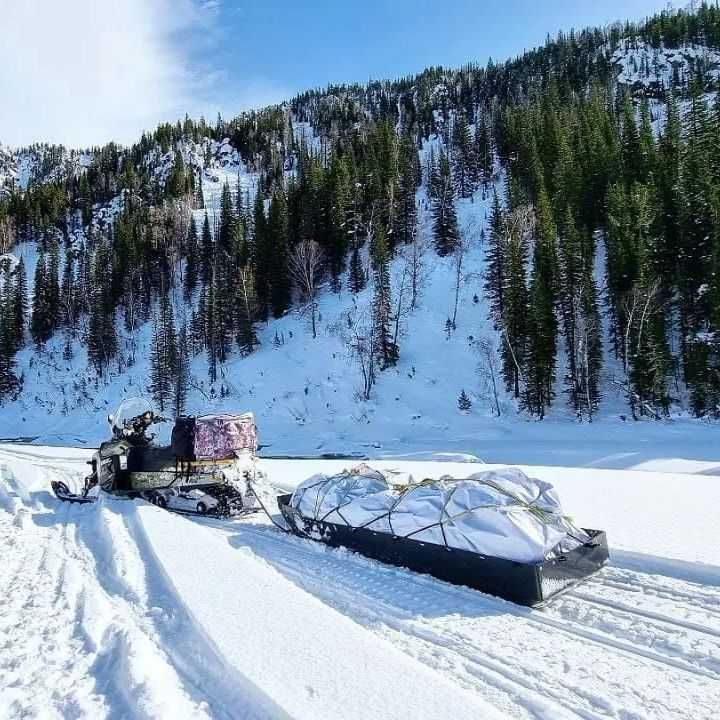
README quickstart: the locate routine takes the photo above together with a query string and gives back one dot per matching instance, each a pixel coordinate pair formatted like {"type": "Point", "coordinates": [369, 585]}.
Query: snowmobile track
{"type": "Point", "coordinates": [343, 583]}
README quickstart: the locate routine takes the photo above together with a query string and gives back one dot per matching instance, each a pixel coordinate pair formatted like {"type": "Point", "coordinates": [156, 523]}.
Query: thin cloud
{"type": "Point", "coordinates": [83, 72]}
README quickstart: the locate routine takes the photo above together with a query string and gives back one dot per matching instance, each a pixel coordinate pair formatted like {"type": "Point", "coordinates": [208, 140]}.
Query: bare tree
{"type": "Point", "coordinates": [403, 304]}
{"type": "Point", "coordinates": [415, 263]}
{"type": "Point", "coordinates": [360, 337]}
{"type": "Point", "coordinates": [489, 369]}
{"type": "Point", "coordinates": [459, 257]}
{"type": "Point", "coordinates": [305, 267]}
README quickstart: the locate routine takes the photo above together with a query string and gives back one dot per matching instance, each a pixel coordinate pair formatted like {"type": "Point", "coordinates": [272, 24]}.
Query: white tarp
{"type": "Point", "coordinates": [502, 513]}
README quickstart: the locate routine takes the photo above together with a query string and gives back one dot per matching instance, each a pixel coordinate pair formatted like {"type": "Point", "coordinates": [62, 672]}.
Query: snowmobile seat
{"type": "Point", "coordinates": [151, 459]}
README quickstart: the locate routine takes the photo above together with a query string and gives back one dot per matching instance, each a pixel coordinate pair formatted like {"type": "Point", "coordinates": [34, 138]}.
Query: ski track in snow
{"type": "Point", "coordinates": [95, 624]}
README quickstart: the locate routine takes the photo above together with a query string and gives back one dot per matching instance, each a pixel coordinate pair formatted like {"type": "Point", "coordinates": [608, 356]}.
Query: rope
{"type": "Point", "coordinates": [546, 517]}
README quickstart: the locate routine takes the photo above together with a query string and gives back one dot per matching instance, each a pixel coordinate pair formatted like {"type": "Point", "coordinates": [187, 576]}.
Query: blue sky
{"type": "Point", "coordinates": [275, 48]}
{"type": "Point", "coordinates": [89, 71]}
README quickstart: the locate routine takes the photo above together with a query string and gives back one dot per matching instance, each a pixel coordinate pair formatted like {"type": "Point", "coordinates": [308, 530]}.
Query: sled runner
{"type": "Point", "coordinates": [493, 532]}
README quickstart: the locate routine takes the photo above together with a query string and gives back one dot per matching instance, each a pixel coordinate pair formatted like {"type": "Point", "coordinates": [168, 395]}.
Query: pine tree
{"type": "Point", "coordinates": [227, 229]}
{"type": "Point", "coordinates": [246, 312]}
{"type": "Point", "coordinates": [515, 308]}
{"type": "Point", "coordinates": [8, 341]}
{"type": "Point", "coordinates": [261, 257]}
{"type": "Point", "coordinates": [207, 251]}
{"type": "Point", "coordinates": [102, 336]}
{"type": "Point", "coordinates": [495, 276]}
{"type": "Point", "coordinates": [190, 278]}
{"type": "Point", "coordinates": [542, 332]}
{"type": "Point", "coordinates": [40, 327]}
{"type": "Point", "coordinates": [20, 306]}
{"type": "Point", "coordinates": [277, 238]}
{"type": "Point", "coordinates": [340, 197]}
{"type": "Point", "coordinates": [356, 280]}
{"type": "Point", "coordinates": [445, 225]}
{"type": "Point", "coordinates": [386, 349]}
{"type": "Point", "coordinates": [405, 220]}
{"type": "Point", "coordinates": [464, 403]}
{"type": "Point", "coordinates": [164, 356]}
{"type": "Point", "coordinates": [463, 157]}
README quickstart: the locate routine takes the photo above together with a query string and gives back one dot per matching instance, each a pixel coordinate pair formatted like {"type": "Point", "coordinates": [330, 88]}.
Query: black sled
{"type": "Point", "coordinates": [530, 584]}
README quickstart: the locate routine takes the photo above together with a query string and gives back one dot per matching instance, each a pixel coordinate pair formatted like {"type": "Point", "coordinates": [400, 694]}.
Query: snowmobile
{"type": "Point", "coordinates": [215, 481]}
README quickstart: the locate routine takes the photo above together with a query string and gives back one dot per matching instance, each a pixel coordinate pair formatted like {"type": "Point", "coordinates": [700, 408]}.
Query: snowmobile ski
{"type": "Point", "coordinates": [62, 492]}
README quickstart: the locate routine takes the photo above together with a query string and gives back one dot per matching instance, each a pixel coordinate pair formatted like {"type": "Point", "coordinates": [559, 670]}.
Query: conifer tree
{"type": "Point", "coordinates": [445, 225]}
{"type": "Point", "coordinates": [464, 403]}
{"type": "Point", "coordinates": [207, 251]}
{"type": "Point", "coordinates": [357, 279]}
{"type": "Point", "coordinates": [463, 157]}
{"type": "Point", "coordinates": [277, 239]}
{"type": "Point", "coordinates": [261, 257]}
{"type": "Point", "coordinates": [340, 197]}
{"type": "Point", "coordinates": [515, 305]}
{"type": "Point", "coordinates": [192, 250]}
{"type": "Point", "coordinates": [19, 310]}
{"type": "Point", "coordinates": [495, 255]}
{"type": "Point", "coordinates": [405, 220]}
{"type": "Point", "coordinates": [386, 349]}
{"type": "Point", "coordinates": [102, 335]}
{"type": "Point", "coordinates": [40, 321]}
{"type": "Point", "coordinates": [164, 356]}
{"type": "Point", "coordinates": [542, 332]}
{"type": "Point", "coordinates": [246, 312]}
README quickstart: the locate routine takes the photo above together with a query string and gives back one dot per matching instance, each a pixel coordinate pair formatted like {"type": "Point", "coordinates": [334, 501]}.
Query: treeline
{"type": "Point", "coordinates": [605, 221]}
{"type": "Point", "coordinates": [627, 226]}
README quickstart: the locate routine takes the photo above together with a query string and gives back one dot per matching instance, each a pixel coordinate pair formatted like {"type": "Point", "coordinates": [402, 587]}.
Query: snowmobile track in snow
{"type": "Point", "coordinates": [622, 646]}
{"type": "Point", "coordinates": [343, 583]}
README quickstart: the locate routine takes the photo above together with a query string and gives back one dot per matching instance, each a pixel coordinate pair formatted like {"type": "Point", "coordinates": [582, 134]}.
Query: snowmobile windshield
{"type": "Point", "coordinates": [129, 411]}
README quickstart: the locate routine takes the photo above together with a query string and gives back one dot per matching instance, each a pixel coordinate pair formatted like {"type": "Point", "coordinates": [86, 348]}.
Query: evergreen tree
{"type": "Point", "coordinates": [102, 335]}
{"type": "Point", "coordinates": [386, 349]}
{"type": "Point", "coordinates": [164, 356]}
{"type": "Point", "coordinates": [40, 321]}
{"type": "Point", "coordinates": [542, 333]}
{"type": "Point", "coordinates": [262, 259]}
{"type": "Point", "coordinates": [357, 280]}
{"type": "Point", "coordinates": [207, 251]}
{"type": "Point", "coordinates": [277, 239]}
{"type": "Point", "coordinates": [516, 302]}
{"type": "Point", "coordinates": [445, 225]}
{"type": "Point", "coordinates": [495, 255]}
{"type": "Point", "coordinates": [192, 250]}
{"type": "Point", "coordinates": [463, 157]}
{"type": "Point", "coordinates": [405, 220]}
{"type": "Point", "coordinates": [464, 403]}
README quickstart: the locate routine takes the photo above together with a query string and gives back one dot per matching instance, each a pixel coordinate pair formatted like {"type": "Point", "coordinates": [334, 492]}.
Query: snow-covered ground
{"type": "Point", "coordinates": [120, 609]}
{"type": "Point", "coordinates": [304, 391]}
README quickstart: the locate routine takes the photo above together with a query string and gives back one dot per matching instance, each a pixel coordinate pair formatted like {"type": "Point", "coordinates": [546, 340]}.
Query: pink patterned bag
{"type": "Point", "coordinates": [218, 437]}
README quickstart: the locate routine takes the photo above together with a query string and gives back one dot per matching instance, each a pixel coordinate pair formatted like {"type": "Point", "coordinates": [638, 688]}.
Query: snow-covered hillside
{"type": "Point", "coordinates": [121, 609]}
{"type": "Point", "coordinates": [305, 392]}
{"type": "Point", "coordinates": [643, 66]}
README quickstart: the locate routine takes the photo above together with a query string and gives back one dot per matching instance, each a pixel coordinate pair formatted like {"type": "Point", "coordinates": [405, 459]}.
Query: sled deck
{"type": "Point", "coordinates": [62, 492]}
{"type": "Point", "coordinates": [530, 584]}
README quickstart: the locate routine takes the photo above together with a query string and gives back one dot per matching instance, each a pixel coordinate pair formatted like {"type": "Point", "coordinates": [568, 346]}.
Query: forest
{"type": "Point", "coordinates": [605, 213]}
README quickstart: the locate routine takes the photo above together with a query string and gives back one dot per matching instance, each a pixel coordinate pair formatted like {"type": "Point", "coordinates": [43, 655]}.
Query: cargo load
{"type": "Point", "coordinates": [499, 530]}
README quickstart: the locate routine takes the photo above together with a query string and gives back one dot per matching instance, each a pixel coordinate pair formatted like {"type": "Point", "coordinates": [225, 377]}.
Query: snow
{"type": "Point", "coordinates": [640, 64]}
{"type": "Point", "coordinates": [120, 609]}
{"type": "Point", "coordinates": [304, 391]}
